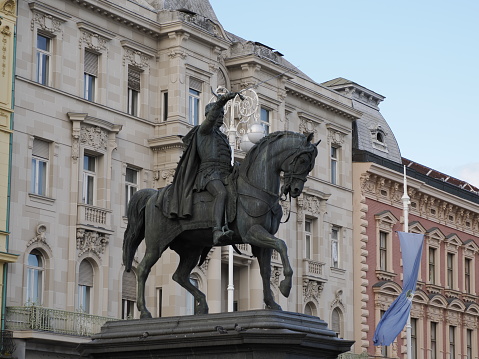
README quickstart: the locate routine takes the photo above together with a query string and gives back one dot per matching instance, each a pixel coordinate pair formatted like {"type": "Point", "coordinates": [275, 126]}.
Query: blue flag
{"type": "Point", "coordinates": [395, 318]}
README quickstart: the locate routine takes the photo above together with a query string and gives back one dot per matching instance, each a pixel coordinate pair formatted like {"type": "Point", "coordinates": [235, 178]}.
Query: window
{"type": "Point", "coordinates": [432, 265]}
{"type": "Point", "coordinates": [85, 284]}
{"type": "Point", "coordinates": [89, 179]}
{"type": "Point", "coordinates": [336, 322]}
{"type": "Point", "coordinates": [194, 107]}
{"type": "Point", "coordinates": [131, 185]}
{"type": "Point", "coordinates": [383, 251]}
{"type": "Point", "coordinates": [165, 105]}
{"type": "Point", "coordinates": [335, 247]}
{"type": "Point", "coordinates": [307, 239]}
{"type": "Point", "coordinates": [310, 309]}
{"type": "Point", "coordinates": [128, 295]}
{"type": "Point", "coordinates": [89, 76]}
{"type": "Point", "coordinates": [450, 270]}
{"type": "Point", "coordinates": [468, 344]}
{"type": "Point", "coordinates": [467, 275]}
{"type": "Point", "coordinates": [43, 59]}
{"type": "Point", "coordinates": [264, 117]}
{"type": "Point", "coordinates": [334, 165]}
{"type": "Point", "coordinates": [190, 300]}
{"type": "Point", "coordinates": [133, 90]}
{"type": "Point", "coordinates": [34, 278]}
{"type": "Point", "coordinates": [433, 340]}
{"type": "Point", "coordinates": [413, 338]}
{"type": "Point", "coordinates": [452, 342]}
{"type": "Point", "coordinates": [40, 156]}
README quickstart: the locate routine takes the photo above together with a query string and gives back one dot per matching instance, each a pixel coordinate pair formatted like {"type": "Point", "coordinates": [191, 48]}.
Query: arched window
{"type": "Point", "coordinates": [35, 269]}
{"type": "Point", "coordinates": [128, 295]}
{"type": "Point", "coordinates": [310, 309]}
{"type": "Point", "coordinates": [85, 284]}
{"type": "Point", "coordinates": [336, 322]}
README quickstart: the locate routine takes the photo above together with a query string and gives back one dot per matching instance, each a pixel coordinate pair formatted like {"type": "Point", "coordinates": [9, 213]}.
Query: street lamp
{"type": "Point", "coordinates": [241, 112]}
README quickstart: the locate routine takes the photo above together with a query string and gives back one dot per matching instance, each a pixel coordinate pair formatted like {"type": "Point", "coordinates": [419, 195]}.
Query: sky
{"type": "Point", "coordinates": [422, 55]}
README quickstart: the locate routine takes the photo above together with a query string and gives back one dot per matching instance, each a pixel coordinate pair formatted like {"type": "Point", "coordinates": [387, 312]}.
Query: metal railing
{"type": "Point", "coordinates": [7, 345]}
{"type": "Point", "coordinates": [353, 356]}
{"type": "Point", "coordinates": [53, 320]}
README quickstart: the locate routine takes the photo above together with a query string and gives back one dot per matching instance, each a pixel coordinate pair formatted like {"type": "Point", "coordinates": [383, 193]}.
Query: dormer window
{"type": "Point", "coordinates": [378, 138]}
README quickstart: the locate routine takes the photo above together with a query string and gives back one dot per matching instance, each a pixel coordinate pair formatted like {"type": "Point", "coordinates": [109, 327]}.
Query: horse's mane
{"type": "Point", "coordinates": [266, 141]}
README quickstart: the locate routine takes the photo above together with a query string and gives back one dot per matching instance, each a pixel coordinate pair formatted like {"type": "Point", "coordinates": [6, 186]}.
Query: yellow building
{"type": "Point", "coordinates": [7, 49]}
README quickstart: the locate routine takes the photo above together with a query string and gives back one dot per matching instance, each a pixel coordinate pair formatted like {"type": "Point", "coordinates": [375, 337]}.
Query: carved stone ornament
{"type": "Point", "coordinates": [40, 237]}
{"type": "Point", "coordinates": [435, 314]}
{"type": "Point", "coordinates": [453, 318]}
{"type": "Point", "coordinates": [8, 7]}
{"type": "Point", "coordinates": [93, 41]}
{"type": "Point", "coordinates": [46, 22]}
{"type": "Point", "coordinates": [470, 321]}
{"type": "Point", "coordinates": [136, 58]}
{"type": "Point", "coordinates": [94, 137]}
{"type": "Point", "coordinates": [275, 274]}
{"type": "Point", "coordinates": [312, 290]}
{"type": "Point", "coordinates": [308, 126]}
{"type": "Point", "coordinates": [168, 175]}
{"type": "Point", "coordinates": [91, 241]}
{"type": "Point", "coordinates": [335, 137]}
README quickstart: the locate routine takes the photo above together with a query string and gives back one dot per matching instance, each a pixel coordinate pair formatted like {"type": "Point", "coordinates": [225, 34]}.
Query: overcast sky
{"type": "Point", "coordinates": [422, 55]}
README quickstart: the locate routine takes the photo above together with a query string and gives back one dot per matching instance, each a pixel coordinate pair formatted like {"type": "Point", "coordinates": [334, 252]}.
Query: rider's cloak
{"type": "Point", "coordinates": [180, 194]}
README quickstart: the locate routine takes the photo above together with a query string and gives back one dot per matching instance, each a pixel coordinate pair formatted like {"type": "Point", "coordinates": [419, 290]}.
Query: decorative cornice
{"type": "Point", "coordinates": [386, 190]}
{"type": "Point", "coordinates": [126, 17]}
{"type": "Point", "coordinates": [326, 103]}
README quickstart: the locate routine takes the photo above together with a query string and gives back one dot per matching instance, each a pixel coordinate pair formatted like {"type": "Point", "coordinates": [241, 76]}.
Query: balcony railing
{"type": "Point", "coordinates": [312, 269]}
{"type": "Point", "coordinates": [95, 216]}
{"type": "Point", "coordinates": [353, 356]}
{"type": "Point", "coordinates": [7, 345]}
{"type": "Point", "coordinates": [53, 321]}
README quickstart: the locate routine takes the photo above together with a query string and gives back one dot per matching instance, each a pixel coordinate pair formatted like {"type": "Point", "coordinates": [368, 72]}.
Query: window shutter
{"type": "Point", "coordinates": [40, 148]}
{"type": "Point", "coordinates": [129, 286]}
{"type": "Point", "coordinates": [196, 84]}
{"type": "Point", "coordinates": [85, 276]}
{"type": "Point", "coordinates": [91, 63]}
{"type": "Point", "coordinates": [134, 78]}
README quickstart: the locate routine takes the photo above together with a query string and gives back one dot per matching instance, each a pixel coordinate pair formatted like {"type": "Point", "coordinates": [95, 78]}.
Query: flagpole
{"type": "Point", "coordinates": [406, 201]}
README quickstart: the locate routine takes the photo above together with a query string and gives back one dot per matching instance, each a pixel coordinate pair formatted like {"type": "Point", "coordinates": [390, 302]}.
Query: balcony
{"type": "Point", "coordinates": [313, 270]}
{"type": "Point", "coordinates": [94, 216]}
{"type": "Point", "coordinates": [53, 321]}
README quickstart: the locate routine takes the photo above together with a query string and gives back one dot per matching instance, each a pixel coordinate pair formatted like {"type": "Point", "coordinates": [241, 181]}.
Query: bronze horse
{"type": "Point", "coordinates": [257, 219]}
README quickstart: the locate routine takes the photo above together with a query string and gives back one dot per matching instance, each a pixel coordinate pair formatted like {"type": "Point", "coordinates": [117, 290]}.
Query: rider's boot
{"type": "Point", "coordinates": [221, 235]}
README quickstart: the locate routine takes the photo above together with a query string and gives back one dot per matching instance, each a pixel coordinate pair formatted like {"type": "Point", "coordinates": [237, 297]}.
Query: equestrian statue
{"type": "Point", "coordinates": [212, 203]}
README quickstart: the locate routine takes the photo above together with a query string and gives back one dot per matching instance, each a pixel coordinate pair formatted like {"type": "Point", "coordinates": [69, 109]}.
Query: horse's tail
{"type": "Point", "coordinates": [135, 230]}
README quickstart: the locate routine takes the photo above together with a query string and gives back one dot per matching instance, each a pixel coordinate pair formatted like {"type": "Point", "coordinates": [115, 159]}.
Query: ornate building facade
{"type": "Point", "coordinates": [104, 90]}
{"type": "Point", "coordinates": [445, 311]}
{"type": "Point", "coordinates": [8, 21]}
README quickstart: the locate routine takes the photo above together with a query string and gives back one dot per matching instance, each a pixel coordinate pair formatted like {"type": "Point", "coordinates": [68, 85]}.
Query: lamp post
{"type": "Point", "coordinates": [241, 112]}
{"type": "Point", "coordinates": [406, 202]}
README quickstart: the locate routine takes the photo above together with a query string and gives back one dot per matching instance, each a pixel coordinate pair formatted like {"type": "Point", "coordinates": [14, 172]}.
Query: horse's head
{"type": "Point", "coordinates": [297, 166]}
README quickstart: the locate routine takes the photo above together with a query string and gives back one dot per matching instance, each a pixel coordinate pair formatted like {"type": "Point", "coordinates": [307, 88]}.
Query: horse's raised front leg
{"type": "Point", "coordinates": [264, 259]}
{"type": "Point", "coordinates": [260, 237]}
{"type": "Point", "coordinates": [144, 268]}
{"type": "Point", "coordinates": [188, 260]}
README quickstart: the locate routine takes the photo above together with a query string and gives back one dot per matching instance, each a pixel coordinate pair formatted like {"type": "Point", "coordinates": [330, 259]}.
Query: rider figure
{"type": "Point", "coordinates": [215, 156]}
{"type": "Point", "coordinates": [204, 165]}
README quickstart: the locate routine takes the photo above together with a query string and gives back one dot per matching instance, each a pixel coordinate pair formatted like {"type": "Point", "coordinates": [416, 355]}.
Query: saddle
{"type": "Point", "coordinates": [203, 205]}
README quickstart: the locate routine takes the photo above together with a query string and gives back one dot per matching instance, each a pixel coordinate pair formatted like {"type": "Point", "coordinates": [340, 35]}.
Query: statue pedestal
{"type": "Point", "coordinates": [257, 334]}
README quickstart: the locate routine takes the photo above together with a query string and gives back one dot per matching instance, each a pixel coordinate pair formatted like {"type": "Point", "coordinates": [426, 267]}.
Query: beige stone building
{"type": "Point", "coordinates": [103, 89]}
{"type": "Point", "coordinates": [7, 59]}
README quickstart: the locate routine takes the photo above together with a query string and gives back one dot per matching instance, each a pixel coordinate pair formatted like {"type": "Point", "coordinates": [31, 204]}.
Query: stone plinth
{"type": "Point", "coordinates": [255, 334]}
